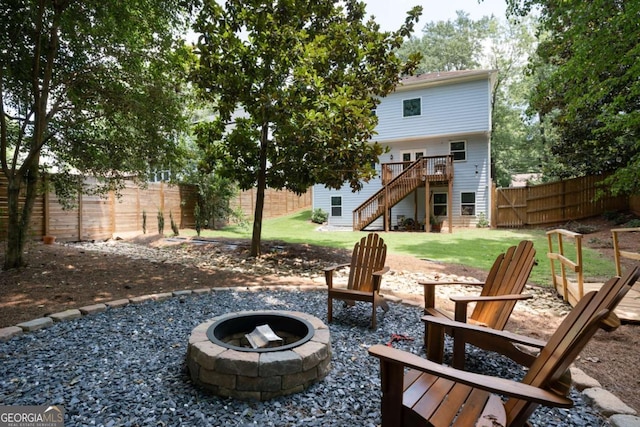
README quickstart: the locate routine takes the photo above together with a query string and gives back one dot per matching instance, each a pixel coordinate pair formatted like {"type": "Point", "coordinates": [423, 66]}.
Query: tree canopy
{"type": "Point", "coordinates": [464, 44]}
{"type": "Point", "coordinates": [450, 45]}
{"type": "Point", "coordinates": [294, 84]}
{"type": "Point", "coordinates": [87, 87]}
{"type": "Point", "coordinates": [591, 91]}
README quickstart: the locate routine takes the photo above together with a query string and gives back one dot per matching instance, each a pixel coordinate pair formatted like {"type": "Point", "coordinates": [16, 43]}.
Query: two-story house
{"type": "Point", "coordinates": [437, 128]}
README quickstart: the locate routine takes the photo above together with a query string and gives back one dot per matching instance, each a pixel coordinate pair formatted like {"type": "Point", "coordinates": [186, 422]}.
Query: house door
{"type": "Point", "coordinates": [409, 157]}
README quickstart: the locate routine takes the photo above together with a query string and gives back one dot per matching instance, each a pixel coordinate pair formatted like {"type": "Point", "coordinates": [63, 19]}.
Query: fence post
{"type": "Point", "coordinates": [494, 205]}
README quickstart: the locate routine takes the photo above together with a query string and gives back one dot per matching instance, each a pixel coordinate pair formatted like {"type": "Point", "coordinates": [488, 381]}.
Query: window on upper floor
{"type": "Point", "coordinates": [459, 150]}
{"type": "Point", "coordinates": [411, 107]}
{"type": "Point", "coordinates": [468, 203]}
{"type": "Point", "coordinates": [336, 205]}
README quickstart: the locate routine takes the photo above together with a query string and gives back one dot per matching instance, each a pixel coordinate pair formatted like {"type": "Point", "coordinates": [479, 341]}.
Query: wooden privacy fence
{"type": "Point", "coordinates": [276, 203]}
{"type": "Point", "coordinates": [96, 218]}
{"type": "Point", "coordinates": [553, 203]}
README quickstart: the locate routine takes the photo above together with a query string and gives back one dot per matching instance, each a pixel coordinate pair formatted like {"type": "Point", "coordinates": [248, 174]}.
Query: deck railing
{"type": "Point", "coordinates": [433, 168]}
{"type": "Point", "coordinates": [399, 179]}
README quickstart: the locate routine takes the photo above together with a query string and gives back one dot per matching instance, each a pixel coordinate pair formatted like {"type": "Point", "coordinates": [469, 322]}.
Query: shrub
{"type": "Point", "coordinates": [174, 226]}
{"type": "Point", "coordinates": [577, 227]}
{"type": "Point", "coordinates": [160, 223]}
{"type": "Point", "coordinates": [319, 216]}
{"type": "Point", "coordinates": [482, 220]}
{"type": "Point", "coordinates": [634, 223]}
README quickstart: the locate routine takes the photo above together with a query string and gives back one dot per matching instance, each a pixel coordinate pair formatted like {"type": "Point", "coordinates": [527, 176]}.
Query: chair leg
{"type": "Point", "coordinates": [434, 342]}
{"type": "Point", "coordinates": [329, 309]}
{"type": "Point", "coordinates": [373, 315]}
{"type": "Point", "coordinates": [458, 349]}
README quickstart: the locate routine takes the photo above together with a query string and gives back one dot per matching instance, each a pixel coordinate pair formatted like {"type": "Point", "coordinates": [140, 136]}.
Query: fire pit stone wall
{"type": "Point", "coordinates": [260, 376]}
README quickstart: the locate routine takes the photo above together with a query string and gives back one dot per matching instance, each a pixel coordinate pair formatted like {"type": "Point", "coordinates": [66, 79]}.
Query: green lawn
{"type": "Point", "coordinates": [475, 247]}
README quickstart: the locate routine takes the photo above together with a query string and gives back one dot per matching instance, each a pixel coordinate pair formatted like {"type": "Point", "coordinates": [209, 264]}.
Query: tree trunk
{"type": "Point", "coordinates": [19, 217]}
{"type": "Point", "coordinates": [262, 185]}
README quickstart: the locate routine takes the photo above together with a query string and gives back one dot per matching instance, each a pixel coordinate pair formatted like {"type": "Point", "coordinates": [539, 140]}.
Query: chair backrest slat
{"type": "Point", "coordinates": [368, 256]}
{"type": "Point", "coordinates": [511, 275]}
{"type": "Point", "coordinates": [570, 338]}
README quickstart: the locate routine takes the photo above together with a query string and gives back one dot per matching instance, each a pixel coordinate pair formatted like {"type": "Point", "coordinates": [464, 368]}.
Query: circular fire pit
{"type": "Point", "coordinates": [221, 360]}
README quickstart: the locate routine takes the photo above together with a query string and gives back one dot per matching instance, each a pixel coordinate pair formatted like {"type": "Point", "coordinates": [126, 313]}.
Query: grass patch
{"type": "Point", "coordinates": [474, 247]}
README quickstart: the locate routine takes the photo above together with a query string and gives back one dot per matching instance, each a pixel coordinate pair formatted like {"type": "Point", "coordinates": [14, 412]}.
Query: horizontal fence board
{"type": "Point", "coordinates": [100, 218]}
{"type": "Point", "coordinates": [554, 203]}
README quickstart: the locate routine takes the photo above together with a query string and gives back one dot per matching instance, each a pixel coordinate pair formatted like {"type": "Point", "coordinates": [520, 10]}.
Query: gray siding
{"type": "Point", "coordinates": [455, 111]}
{"type": "Point", "coordinates": [448, 109]}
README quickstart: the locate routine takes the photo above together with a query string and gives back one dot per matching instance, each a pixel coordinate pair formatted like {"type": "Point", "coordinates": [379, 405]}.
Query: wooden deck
{"type": "Point", "coordinates": [628, 310]}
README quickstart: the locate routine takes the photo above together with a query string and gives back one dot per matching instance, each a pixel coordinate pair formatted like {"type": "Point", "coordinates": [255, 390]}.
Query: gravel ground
{"type": "Point", "coordinates": [126, 367]}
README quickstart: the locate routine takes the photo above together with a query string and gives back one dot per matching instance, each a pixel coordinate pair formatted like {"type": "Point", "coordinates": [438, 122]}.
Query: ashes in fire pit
{"type": "Point", "coordinates": [222, 360]}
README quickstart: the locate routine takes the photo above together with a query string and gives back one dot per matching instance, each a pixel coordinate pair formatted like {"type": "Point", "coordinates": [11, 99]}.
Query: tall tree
{"type": "Point", "coordinates": [464, 44]}
{"type": "Point", "coordinates": [91, 86]}
{"type": "Point", "coordinates": [592, 94]}
{"type": "Point", "coordinates": [517, 144]}
{"type": "Point", "coordinates": [450, 45]}
{"type": "Point", "coordinates": [294, 84]}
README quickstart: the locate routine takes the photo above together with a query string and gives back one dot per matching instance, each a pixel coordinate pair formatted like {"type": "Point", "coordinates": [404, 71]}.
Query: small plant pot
{"type": "Point", "coordinates": [436, 228]}
{"type": "Point", "coordinates": [48, 240]}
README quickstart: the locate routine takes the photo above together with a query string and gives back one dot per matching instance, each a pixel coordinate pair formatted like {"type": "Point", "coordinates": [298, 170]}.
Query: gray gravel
{"type": "Point", "coordinates": [126, 367]}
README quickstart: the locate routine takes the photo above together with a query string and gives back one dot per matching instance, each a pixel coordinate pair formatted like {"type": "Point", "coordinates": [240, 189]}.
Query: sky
{"type": "Point", "coordinates": [390, 14]}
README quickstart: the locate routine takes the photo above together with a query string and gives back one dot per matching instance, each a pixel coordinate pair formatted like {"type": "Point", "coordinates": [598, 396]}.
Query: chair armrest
{"type": "Point", "coordinates": [507, 297]}
{"type": "Point", "coordinates": [486, 332]}
{"type": "Point", "coordinates": [484, 382]}
{"type": "Point", "coordinates": [328, 273]}
{"type": "Point", "coordinates": [384, 270]}
{"type": "Point", "coordinates": [425, 284]}
{"type": "Point", "coordinates": [463, 301]}
{"type": "Point", "coordinates": [430, 290]}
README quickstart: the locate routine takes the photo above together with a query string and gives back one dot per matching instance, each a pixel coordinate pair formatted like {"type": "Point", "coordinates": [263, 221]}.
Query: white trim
{"type": "Point", "coordinates": [475, 203]}
{"type": "Point", "coordinates": [426, 138]}
{"type": "Point", "coordinates": [331, 206]}
{"type": "Point", "coordinates": [466, 149]}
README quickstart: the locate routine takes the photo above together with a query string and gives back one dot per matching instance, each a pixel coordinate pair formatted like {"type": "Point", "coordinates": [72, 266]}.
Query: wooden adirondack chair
{"type": "Point", "coordinates": [500, 292]}
{"type": "Point", "coordinates": [367, 267]}
{"type": "Point", "coordinates": [430, 394]}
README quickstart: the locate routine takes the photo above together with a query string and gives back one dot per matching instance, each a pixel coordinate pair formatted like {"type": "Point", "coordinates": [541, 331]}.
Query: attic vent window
{"type": "Point", "coordinates": [411, 107]}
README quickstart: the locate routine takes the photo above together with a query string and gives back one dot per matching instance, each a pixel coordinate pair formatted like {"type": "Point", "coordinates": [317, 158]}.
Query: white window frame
{"type": "Point", "coordinates": [444, 206]}
{"type": "Point", "coordinates": [413, 155]}
{"type": "Point", "coordinates": [467, 204]}
{"type": "Point", "coordinates": [464, 151]}
{"type": "Point", "coordinates": [405, 116]}
{"type": "Point", "coordinates": [335, 206]}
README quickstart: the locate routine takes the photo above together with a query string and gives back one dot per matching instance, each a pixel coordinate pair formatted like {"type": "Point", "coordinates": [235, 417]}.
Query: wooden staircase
{"type": "Point", "coordinates": [398, 181]}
